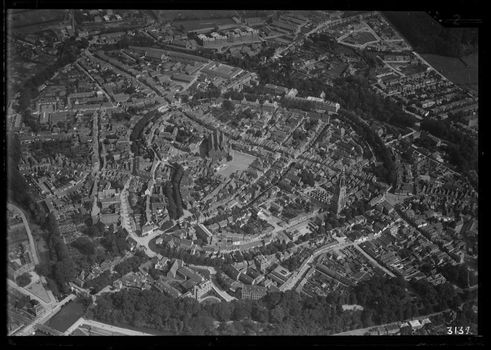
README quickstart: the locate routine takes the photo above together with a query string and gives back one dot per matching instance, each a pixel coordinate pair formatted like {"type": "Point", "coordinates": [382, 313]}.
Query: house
{"type": "Point", "coordinates": [201, 289]}
{"type": "Point", "coordinates": [392, 328]}
{"type": "Point", "coordinates": [280, 275]}
{"type": "Point", "coordinates": [161, 264]}
{"type": "Point", "coordinates": [164, 287]}
{"type": "Point", "coordinates": [415, 324]}
{"type": "Point", "coordinates": [176, 265]}
{"type": "Point", "coordinates": [189, 274]}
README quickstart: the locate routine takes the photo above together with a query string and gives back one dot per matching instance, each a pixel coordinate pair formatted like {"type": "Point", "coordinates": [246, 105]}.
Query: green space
{"type": "Point", "coordinates": [278, 313]}
{"type": "Point", "coordinates": [67, 316]}
{"type": "Point", "coordinates": [24, 279]}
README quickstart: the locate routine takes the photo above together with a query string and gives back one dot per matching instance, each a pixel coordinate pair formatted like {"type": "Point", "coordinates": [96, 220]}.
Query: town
{"type": "Point", "coordinates": [230, 159]}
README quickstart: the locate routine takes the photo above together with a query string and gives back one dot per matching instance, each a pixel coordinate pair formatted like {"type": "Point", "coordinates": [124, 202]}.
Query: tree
{"type": "Point", "coordinates": [240, 311]}
{"type": "Point", "coordinates": [227, 105]}
{"type": "Point", "coordinates": [22, 302]}
{"type": "Point", "coordinates": [222, 311]}
{"type": "Point", "coordinates": [24, 279]}
{"type": "Point", "coordinates": [43, 269]}
{"type": "Point", "coordinates": [84, 245]}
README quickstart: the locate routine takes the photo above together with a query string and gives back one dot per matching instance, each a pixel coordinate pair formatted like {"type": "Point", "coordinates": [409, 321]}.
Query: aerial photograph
{"type": "Point", "coordinates": [240, 172]}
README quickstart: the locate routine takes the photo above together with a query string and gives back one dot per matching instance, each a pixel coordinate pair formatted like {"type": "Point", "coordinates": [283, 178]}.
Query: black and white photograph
{"type": "Point", "coordinates": [218, 172]}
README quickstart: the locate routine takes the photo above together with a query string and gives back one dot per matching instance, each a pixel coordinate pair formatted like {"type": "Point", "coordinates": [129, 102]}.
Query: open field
{"type": "Point", "coordinates": [66, 316]}
{"type": "Point", "coordinates": [360, 38]}
{"type": "Point", "coordinates": [239, 162]}
{"type": "Point", "coordinates": [463, 72]}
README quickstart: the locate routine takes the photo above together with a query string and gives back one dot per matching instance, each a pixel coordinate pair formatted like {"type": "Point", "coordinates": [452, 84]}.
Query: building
{"type": "Point", "coordinates": [280, 275]}
{"type": "Point", "coordinates": [172, 271]}
{"type": "Point", "coordinates": [166, 288]}
{"type": "Point", "coordinates": [215, 146]}
{"type": "Point", "coordinates": [262, 262]}
{"type": "Point", "coordinates": [201, 289]}
{"type": "Point", "coordinates": [339, 199]}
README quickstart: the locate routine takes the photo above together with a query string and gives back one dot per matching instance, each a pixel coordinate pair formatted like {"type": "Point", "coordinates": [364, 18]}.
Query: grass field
{"type": "Point", "coordinates": [38, 289]}
{"type": "Point", "coordinates": [67, 316]}
{"type": "Point", "coordinates": [360, 38]}
{"type": "Point", "coordinates": [463, 72]}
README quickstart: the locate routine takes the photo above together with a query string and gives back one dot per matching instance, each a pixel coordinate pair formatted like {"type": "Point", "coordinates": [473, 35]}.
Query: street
{"type": "Point", "coordinates": [373, 261]}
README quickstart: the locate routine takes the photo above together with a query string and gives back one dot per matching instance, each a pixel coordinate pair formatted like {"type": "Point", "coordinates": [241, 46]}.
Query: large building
{"type": "Point", "coordinates": [339, 199]}
{"type": "Point", "coordinates": [231, 37]}
{"type": "Point", "coordinates": [215, 146]}
{"type": "Point", "coordinates": [201, 289]}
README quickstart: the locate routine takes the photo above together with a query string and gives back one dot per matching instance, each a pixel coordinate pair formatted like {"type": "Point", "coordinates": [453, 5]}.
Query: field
{"type": "Point", "coordinates": [67, 316]}
{"type": "Point", "coordinates": [239, 162]}
{"type": "Point", "coordinates": [463, 72]}
{"type": "Point", "coordinates": [360, 38]}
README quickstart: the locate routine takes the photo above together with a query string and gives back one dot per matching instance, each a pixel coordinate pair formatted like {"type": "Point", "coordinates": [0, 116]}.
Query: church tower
{"type": "Point", "coordinates": [339, 199]}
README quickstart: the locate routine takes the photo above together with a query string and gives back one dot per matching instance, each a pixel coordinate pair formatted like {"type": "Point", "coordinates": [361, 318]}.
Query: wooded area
{"type": "Point", "coordinates": [384, 300]}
